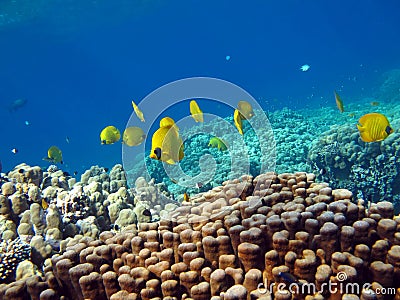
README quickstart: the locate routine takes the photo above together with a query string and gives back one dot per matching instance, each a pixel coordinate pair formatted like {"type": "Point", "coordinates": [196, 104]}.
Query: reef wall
{"type": "Point", "coordinates": [227, 241]}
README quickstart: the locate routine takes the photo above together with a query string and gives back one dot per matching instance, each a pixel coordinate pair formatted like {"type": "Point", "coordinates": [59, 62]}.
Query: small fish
{"type": "Point", "coordinates": [146, 213]}
{"type": "Point", "coordinates": [374, 103]}
{"type": "Point", "coordinates": [54, 155]}
{"type": "Point", "coordinates": [352, 115]}
{"type": "Point", "coordinates": [199, 185]}
{"type": "Point", "coordinates": [322, 171]}
{"type": "Point", "coordinates": [238, 121]}
{"type": "Point", "coordinates": [374, 127]}
{"type": "Point", "coordinates": [174, 180]}
{"type": "Point", "coordinates": [217, 143]}
{"type": "Point", "coordinates": [196, 112]}
{"type": "Point", "coordinates": [186, 197]}
{"type": "Point", "coordinates": [67, 139]}
{"type": "Point", "coordinates": [14, 150]}
{"type": "Point", "coordinates": [17, 104]}
{"type": "Point", "coordinates": [109, 135]}
{"type": "Point", "coordinates": [45, 205]}
{"type": "Point", "coordinates": [245, 109]}
{"type": "Point", "coordinates": [339, 102]}
{"type": "Point", "coordinates": [27, 123]}
{"type": "Point", "coordinates": [288, 277]}
{"type": "Point", "coordinates": [228, 57]}
{"type": "Point", "coordinates": [75, 173]}
{"type": "Point", "coordinates": [133, 136]}
{"type": "Point", "coordinates": [106, 170]}
{"type": "Point", "coordinates": [138, 112]}
{"type": "Point", "coordinates": [305, 68]}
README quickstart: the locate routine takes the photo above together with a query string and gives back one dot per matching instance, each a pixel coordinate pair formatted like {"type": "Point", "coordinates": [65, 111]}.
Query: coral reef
{"type": "Point", "coordinates": [290, 127]}
{"type": "Point", "coordinates": [297, 137]}
{"type": "Point", "coordinates": [230, 241]}
{"type": "Point", "coordinates": [63, 238]}
{"type": "Point", "coordinates": [11, 254]}
{"type": "Point", "coordinates": [369, 170]}
{"type": "Point", "coordinates": [42, 210]}
{"type": "Point", "coordinates": [390, 87]}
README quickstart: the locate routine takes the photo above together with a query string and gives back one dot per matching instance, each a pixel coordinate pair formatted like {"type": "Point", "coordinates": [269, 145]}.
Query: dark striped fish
{"type": "Point", "coordinates": [289, 278]}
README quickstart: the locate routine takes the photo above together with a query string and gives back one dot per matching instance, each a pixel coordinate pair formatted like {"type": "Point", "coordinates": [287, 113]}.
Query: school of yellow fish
{"type": "Point", "coordinates": [167, 144]}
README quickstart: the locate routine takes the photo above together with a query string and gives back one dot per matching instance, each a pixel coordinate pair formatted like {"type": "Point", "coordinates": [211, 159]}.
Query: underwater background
{"type": "Point", "coordinates": [78, 65]}
{"type": "Point", "coordinates": [199, 149]}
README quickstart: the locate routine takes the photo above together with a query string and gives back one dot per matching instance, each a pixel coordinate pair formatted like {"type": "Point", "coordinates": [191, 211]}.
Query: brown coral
{"type": "Point", "coordinates": [228, 241]}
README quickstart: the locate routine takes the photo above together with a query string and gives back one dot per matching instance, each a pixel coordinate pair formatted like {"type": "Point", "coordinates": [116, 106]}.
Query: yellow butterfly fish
{"type": "Point", "coordinates": [166, 143]}
{"type": "Point", "coordinates": [374, 127]}
{"type": "Point", "coordinates": [196, 112]}
{"type": "Point", "coordinates": [238, 121]}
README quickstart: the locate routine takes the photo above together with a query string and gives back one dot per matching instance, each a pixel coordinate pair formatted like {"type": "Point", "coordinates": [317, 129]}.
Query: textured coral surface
{"type": "Point", "coordinates": [227, 241]}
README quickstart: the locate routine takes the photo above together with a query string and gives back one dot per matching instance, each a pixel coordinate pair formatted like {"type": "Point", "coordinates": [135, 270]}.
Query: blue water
{"type": "Point", "coordinates": [80, 65]}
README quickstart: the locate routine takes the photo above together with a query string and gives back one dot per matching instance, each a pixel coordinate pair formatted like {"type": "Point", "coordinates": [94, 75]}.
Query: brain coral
{"type": "Point", "coordinates": [228, 241]}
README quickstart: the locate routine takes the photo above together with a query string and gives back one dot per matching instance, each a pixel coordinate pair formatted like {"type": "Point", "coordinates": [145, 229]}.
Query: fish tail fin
{"type": "Point", "coordinates": [181, 154]}
{"type": "Point", "coordinates": [170, 161]}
